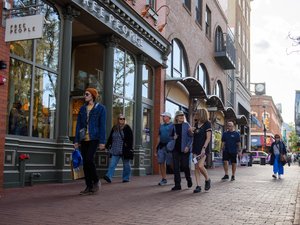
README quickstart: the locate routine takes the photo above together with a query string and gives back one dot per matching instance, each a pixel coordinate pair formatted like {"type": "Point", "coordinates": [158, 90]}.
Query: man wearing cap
{"type": "Point", "coordinates": [90, 134]}
{"type": "Point", "coordinates": [163, 156]}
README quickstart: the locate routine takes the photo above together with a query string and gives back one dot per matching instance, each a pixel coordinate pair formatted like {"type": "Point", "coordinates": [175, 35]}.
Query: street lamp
{"type": "Point", "coordinates": [265, 130]}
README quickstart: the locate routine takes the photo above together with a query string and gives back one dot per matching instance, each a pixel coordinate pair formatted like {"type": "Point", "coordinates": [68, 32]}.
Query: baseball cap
{"type": "Point", "coordinates": [178, 113]}
{"type": "Point", "coordinates": [166, 114]}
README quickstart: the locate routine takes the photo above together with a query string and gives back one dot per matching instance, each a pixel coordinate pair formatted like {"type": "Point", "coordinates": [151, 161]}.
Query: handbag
{"type": "Point", "coordinates": [283, 159]}
{"type": "Point", "coordinates": [171, 144]}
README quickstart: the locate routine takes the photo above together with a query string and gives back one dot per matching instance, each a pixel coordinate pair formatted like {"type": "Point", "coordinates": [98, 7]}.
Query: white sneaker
{"type": "Point", "coordinates": [279, 177]}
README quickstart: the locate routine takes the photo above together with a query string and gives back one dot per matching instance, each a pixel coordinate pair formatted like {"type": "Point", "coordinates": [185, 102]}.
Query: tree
{"type": "Point", "coordinates": [293, 140]}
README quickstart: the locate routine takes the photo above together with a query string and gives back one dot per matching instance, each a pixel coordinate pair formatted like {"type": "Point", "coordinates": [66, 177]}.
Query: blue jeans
{"type": "Point", "coordinates": [113, 164]}
{"type": "Point", "coordinates": [277, 166]}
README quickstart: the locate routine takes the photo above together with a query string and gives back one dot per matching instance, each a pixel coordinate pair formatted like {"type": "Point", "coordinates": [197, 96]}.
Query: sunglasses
{"type": "Point", "coordinates": [87, 94]}
{"type": "Point", "coordinates": [121, 118]}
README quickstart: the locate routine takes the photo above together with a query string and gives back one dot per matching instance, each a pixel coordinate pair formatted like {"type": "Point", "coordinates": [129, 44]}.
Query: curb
{"type": "Point", "coordinates": [297, 210]}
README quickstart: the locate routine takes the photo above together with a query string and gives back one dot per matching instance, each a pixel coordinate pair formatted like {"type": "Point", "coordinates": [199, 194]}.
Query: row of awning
{"type": "Point", "coordinates": [196, 90]}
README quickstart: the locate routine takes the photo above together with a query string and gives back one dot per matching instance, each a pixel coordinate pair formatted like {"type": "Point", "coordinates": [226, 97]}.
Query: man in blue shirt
{"type": "Point", "coordinates": [163, 156]}
{"type": "Point", "coordinates": [231, 146]}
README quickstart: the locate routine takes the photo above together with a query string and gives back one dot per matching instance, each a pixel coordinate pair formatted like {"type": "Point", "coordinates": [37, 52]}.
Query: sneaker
{"type": "Point", "coordinates": [86, 191]}
{"type": "Point", "coordinates": [125, 181]}
{"type": "Point", "coordinates": [279, 176]}
{"type": "Point", "coordinates": [274, 176]}
{"type": "Point", "coordinates": [232, 178]}
{"type": "Point", "coordinates": [207, 185]}
{"type": "Point", "coordinates": [107, 179]}
{"type": "Point", "coordinates": [189, 183]}
{"type": "Point", "coordinates": [176, 188]}
{"type": "Point", "coordinates": [226, 177]}
{"type": "Point", "coordinates": [163, 182]}
{"type": "Point", "coordinates": [197, 189]}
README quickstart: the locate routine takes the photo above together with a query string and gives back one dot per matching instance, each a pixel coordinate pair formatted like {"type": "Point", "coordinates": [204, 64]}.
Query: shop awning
{"type": "Point", "coordinates": [193, 86]}
{"type": "Point", "coordinates": [241, 120]}
{"type": "Point", "coordinates": [215, 101]}
{"type": "Point", "coordinates": [230, 114]}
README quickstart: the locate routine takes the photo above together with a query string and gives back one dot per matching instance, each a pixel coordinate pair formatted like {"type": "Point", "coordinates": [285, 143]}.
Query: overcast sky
{"type": "Point", "coordinates": [271, 58]}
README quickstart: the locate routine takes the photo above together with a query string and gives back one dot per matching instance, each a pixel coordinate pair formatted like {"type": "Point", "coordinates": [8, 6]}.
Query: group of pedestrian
{"type": "Point", "coordinates": [188, 141]}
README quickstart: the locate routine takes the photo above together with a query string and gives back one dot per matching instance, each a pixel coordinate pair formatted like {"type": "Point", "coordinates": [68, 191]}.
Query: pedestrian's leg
{"type": "Point", "coordinates": [280, 169]}
{"type": "Point", "coordinates": [233, 168]}
{"type": "Point", "coordinates": [126, 170]}
{"type": "Point", "coordinates": [84, 153]}
{"type": "Point", "coordinates": [93, 145]}
{"type": "Point", "coordinates": [112, 166]}
{"type": "Point", "coordinates": [225, 167]}
{"type": "Point", "coordinates": [185, 163]}
{"type": "Point", "coordinates": [176, 164]}
{"type": "Point", "coordinates": [163, 173]}
{"type": "Point", "coordinates": [275, 165]}
{"type": "Point", "coordinates": [202, 167]}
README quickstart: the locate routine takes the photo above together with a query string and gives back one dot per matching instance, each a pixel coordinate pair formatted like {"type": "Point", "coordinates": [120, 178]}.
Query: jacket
{"type": "Point", "coordinates": [128, 138]}
{"type": "Point", "coordinates": [97, 123]}
{"type": "Point", "coordinates": [282, 150]}
{"type": "Point", "coordinates": [186, 136]}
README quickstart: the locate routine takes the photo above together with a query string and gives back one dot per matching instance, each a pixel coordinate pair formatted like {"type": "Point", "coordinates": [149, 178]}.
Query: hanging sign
{"type": "Point", "coordinates": [24, 28]}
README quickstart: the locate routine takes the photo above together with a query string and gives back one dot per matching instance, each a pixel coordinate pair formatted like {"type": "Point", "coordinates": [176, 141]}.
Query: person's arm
{"type": "Point", "coordinates": [207, 141]}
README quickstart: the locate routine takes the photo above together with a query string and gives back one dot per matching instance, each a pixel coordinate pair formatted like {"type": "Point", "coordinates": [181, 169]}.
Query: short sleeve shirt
{"type": "Point", "coordinates": [200, 137]}
{"type": "Point", "coordinates": [165, 132]}
{"type": "Point", "coordinates": [231, 138]}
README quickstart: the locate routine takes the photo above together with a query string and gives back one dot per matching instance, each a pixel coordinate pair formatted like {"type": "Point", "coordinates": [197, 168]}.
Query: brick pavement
{"type": "Point", "coordinates": [253, 199]}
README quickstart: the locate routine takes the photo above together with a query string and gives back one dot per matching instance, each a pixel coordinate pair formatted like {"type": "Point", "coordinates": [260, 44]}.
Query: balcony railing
{"type": "Point", "coordinates": [225, 52]}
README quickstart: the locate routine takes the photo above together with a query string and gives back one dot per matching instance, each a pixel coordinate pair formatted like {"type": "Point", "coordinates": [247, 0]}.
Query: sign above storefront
{"type": "Point", "coordinates": [110, 20]}
{"type": "Point", "coordinates": [24, 28]}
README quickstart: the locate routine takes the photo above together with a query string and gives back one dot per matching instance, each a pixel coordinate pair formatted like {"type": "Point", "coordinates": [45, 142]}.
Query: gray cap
{"type": "Point", "coordinates": [166, 114]}
{"type": "Point", "coordinates": [179, 112]}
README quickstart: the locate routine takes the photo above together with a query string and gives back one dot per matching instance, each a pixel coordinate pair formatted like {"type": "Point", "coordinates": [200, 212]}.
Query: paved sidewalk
{"type": "Point", "coordinates": [253, 199]}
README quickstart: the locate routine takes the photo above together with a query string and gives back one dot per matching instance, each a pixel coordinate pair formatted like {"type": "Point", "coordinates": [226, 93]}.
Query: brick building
{"type": "Point", "coordinates": [266, 112]}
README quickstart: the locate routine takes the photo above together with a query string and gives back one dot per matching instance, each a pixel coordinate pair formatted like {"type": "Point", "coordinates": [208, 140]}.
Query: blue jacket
{"type": "Point", "coordinates": [97, 123]}
{"type": "Point", "coordinates": [186, 136]}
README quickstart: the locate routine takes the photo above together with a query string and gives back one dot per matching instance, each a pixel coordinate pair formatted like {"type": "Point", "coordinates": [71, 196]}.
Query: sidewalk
{"type": "Point", "coordinates": [254, 198]}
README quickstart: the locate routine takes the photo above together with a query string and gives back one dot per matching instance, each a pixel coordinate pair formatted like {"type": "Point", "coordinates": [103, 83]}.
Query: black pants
{"type": "Point", "coordinates": [88, 150]}
{"type": "Point", "coordinates": [181, 161]}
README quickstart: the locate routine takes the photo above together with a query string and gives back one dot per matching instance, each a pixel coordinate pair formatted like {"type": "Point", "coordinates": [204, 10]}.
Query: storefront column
{"type": "Point", "coordinates": [111, 43]}
{"type": "Point", "coordinates": [64, 97]}
{"type": "Point", "coordinates": [139, 151]}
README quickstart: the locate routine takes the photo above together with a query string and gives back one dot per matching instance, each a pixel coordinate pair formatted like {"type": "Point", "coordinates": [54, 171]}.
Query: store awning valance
{"type": "Point", "coordinates": [230, 114]}
{"type": "Point", "coordinates": [192, 85]}
{"type": "Point", "coordinates": [241, 120]}
{"type": "Point", "coordinates": [215, 101]}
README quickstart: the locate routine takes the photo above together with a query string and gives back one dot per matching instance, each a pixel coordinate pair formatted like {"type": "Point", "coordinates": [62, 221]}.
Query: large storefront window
{"type": "Point", "coordinates": [123, 87]}
{"type": "Point", "coordinates": [33, 79]}
{"type": "Point", "coordinates": [147, 82]}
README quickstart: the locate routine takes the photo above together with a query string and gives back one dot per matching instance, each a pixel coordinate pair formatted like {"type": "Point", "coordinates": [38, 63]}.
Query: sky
{"type": "Point", "coordinates": [272, 58]}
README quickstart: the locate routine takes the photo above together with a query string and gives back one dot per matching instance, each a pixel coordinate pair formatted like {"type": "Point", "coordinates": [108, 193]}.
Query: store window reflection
{"type": "Point", "coordinates": [123, 85]}
{"type": "Point", "coordinates": [147, 82]}
{"type": "Point", "coordinates": [33, 79]}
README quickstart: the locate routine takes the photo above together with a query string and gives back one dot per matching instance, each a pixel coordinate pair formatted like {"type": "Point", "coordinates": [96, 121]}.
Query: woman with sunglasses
{"type": "Point", "coordinates": [277, 151]}
{"type": "Point", "coordinates": [120, 143]}
{"type": "Point", "coordinates": [90, 134]}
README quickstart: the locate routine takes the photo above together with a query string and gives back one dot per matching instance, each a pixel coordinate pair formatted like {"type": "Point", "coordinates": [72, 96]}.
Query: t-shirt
{"type": "Point", "coordinates": [231, 138]}
{"type": "Point", "coordinates": [165, 132]}
{"type": "Point", "coordinates": [200, 137]}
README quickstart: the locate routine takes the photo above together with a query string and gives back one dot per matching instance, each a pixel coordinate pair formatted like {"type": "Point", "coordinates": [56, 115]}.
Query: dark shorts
{"type": "Point", "coordinates": [229, 157]}
{"type": "Point", "coordinates": [164, 156]}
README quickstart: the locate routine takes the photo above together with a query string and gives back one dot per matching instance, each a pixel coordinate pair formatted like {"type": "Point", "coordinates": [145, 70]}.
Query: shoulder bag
{"type": "Point", "coordinates": [171, 144]}
{"type": "Point", "coordinates": [127, 152]}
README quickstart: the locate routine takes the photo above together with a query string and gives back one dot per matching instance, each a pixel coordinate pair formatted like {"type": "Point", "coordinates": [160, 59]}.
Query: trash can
{"type": "Point", "coordinates": [262, 161]}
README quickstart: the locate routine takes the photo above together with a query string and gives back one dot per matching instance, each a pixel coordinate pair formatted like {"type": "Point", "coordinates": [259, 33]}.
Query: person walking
{"type": "Point", "coordinates": [90, 134]}
{"type": "Point", "coordinates": [181, 153]}
{"type": "Point", "coordinates": [277, 151]}
{"type": "Point", "coordinates": [202, 137]}
{"type": "Point", "coordinates": [231, 146]}
{"type": "Point", "coordinates": [164, 157]}
{"type": "Point", "coordinates": [119, 141]}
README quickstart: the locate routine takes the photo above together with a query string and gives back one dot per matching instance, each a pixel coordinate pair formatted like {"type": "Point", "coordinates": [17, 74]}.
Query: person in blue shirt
{"type": "Point", "coordinates": [92, 120]}
{"type": "Point", "coordinates": [231, 146]}
{"type": "Point", "coordinates": [163, 156]}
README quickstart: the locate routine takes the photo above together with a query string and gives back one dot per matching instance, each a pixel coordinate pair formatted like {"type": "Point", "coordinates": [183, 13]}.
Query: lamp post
{"type": "Point", "coordinates": [265, 130]}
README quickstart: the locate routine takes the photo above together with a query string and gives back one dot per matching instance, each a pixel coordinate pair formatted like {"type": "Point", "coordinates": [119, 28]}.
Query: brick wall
{"type": "Point", "coordinates": [4, 56]}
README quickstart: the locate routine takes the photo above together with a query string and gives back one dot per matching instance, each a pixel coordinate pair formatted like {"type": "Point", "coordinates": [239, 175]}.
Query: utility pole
{"type": "Point", "coordinates": [265, 130]}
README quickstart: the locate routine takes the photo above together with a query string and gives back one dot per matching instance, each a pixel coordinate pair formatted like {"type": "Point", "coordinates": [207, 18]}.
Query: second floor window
{"type": "Point", "coordinates": [208, 23]}
{"type": "Point", "coordinates": [176, 61]}
{"type": "Point", "coordinates": [202, 77]}
{"type": "Point", "coordinates": [187, 4]}
{"type": "Point", "coordinates": [152, 3]}
{"type": "Point", "coordinates": [199, 12]}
